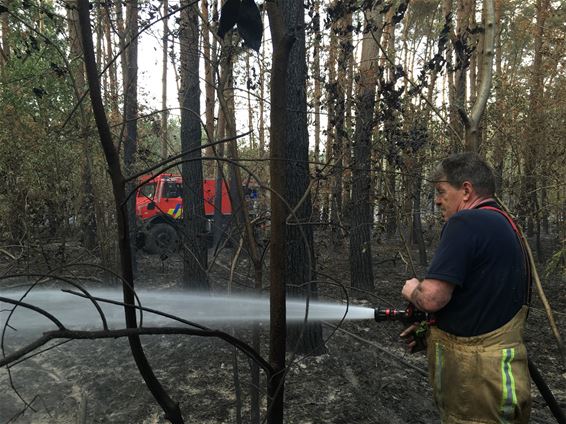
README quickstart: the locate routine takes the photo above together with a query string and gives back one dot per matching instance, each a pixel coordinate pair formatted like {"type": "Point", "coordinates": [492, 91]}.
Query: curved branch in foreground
{"type": "Point", "coordinates": [65, 280]}
{"type": "Point", "coordinates": [170, 407]}
{"type": "Point", "coordinates": [46, 314]}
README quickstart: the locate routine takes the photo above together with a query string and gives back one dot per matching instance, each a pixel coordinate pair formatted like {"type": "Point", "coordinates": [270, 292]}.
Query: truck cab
{"type": "Point", "coordinates": [159, 207]}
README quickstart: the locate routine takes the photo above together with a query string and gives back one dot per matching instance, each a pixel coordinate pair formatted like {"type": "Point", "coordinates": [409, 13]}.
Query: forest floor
{"type": "Point", "coordinates": [365, 376]}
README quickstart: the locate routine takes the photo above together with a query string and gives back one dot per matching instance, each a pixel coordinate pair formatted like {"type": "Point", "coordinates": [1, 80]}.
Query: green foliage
{"type": "Point", "coordinates": [39, 145]}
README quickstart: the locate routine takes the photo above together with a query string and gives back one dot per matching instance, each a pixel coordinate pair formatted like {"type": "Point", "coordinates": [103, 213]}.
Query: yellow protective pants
{"type": "Point", "coordinates": [481, 379]}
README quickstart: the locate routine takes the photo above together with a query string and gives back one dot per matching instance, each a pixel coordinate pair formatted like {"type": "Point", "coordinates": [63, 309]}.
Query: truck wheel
{"type": "Point", "coordinates": [161, 239]}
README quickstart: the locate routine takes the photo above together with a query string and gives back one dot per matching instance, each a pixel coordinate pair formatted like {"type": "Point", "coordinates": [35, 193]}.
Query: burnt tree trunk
{"type": "Point", "coordinates": [281, 42]}
{"type": "Point", "coordinates": [300, 266]}
{"type": "Point", "coordinates": [194, 221]}
{"type": "Point", "coordinates": [163, 133]}
{"type": "Point", "coordinates": [361, 269]}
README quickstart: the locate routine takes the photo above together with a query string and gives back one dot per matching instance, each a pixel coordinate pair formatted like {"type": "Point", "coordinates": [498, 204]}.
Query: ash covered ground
{"type": "Point", "coordinates": [366, 376]}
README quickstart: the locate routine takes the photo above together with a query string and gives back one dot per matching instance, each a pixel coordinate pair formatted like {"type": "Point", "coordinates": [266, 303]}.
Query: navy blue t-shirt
{"type": "Point", "coordinates": [481, 255]}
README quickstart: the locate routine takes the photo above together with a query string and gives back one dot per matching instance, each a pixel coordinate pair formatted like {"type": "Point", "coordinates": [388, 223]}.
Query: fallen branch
{"type": "Point", "coordinates": [128, 332]}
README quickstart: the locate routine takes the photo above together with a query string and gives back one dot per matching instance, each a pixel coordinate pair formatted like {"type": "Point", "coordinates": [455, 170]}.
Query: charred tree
{"type": "Point", "coordinates": [390, 111]}
{"type": "Point", "coordinates": [330, 207]}
{"type": "Point", "coordinates": [282, 43]}
{"type": "Point", "coordinates": [361, 269]}
{"type": "Point", "coordinates": [316, 98]}
{"type": "Point", "coordinates": [209, 52]}
{"type": "Point", "coordinates": [300, 266]}
{"type": "Point", "coordinates": [163, 133]}
{"type": "Point", "coordinates": [194, 221]}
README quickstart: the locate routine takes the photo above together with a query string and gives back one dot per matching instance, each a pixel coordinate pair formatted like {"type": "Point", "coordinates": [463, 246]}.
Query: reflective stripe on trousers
{"type": "Point", "coordinates": [481, 379]}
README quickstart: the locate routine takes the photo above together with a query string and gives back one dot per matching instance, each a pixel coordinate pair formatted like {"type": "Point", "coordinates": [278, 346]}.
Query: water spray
{"type": "Point", "coordinates": [74, 311]}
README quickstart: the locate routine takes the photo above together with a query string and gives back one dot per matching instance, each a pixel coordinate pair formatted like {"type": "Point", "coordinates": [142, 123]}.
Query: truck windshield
{"type": "Point", "coordinates": [147, 190]}
{"type": "Point", "coordinates": [172, 189]}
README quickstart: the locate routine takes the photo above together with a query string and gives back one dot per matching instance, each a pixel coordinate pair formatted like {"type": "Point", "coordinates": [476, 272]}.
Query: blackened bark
{"type": "Point", "coordinates": [194, 220]}
{"type": "Point", "coordinates": [361, 269]}
{"type": "Point", "coordinates": [282, 43]}
{"type": "Point", "coordinates": [360, 231]}
{"type": "Point", "coordinates": [300, 265]}
{"type": "Point", "coordinates": [416, 210]}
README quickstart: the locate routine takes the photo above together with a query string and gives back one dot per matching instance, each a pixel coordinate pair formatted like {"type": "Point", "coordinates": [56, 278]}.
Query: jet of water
{"type": "Point", "coordinates": [79, 313]}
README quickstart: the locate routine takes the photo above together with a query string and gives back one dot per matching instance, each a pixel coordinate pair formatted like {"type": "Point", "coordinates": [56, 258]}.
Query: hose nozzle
{"type": "Point", "coordinates": [408, 315]}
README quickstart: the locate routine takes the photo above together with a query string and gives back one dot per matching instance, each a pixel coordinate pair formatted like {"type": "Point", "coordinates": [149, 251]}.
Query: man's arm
{"type": "Point", "coordinates": [428, 295]}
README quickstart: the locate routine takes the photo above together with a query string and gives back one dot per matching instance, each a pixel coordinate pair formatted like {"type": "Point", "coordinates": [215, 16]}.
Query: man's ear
{"type": "Point", "coordinates": [468, 188]}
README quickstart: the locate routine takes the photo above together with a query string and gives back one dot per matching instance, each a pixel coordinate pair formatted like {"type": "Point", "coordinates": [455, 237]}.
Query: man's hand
{"type": "Point", "coordinates": [415, 337]}
{"type": "Point", "coordinates": [409, 288]}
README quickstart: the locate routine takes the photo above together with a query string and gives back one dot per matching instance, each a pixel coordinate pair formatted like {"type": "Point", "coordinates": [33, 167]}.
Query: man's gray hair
{"type": "Point", "coordinates": [460, 167]}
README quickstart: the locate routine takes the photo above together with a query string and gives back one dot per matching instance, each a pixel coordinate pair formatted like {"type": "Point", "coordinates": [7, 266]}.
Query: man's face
{"type": "Point", "coordinates": [449, 198]}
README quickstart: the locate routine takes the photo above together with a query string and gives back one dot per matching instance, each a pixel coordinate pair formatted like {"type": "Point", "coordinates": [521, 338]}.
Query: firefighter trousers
{"type": "Point", "coordinates": [481, 379]}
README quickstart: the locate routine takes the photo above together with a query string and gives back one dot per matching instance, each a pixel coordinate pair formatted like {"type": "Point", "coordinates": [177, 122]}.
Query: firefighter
{"type": "Point", "coordinates": [477, 287]}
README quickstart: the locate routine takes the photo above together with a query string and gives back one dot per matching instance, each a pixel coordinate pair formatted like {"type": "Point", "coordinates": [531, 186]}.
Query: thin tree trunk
{"type": "Point", "coordinates": [475, 57]}
{"type": "Point", "coordinates": [459, 44]}
{"type": "Point", "coordinates": [282, 43]}
{"type": "Point", "coordinates": [249, 99]}
{"type": "Point", "coordinates": [361, 268]}
{"type": "Point", "coordinates": [99, 38]}
{"type": "Point", "coordinates": [499, 110]}
{"type": "Point", "coordinates": [88, 217]}
{"type": "Point", "coordinates": [220, 221]}
{"type": "Point", "coordinates": [390, 125]}
{"type": "Point", "coordinates": [456, 135]}
{"type": "Point", "coordinates": [5, 28]}
{"type": "Point", "coordinates": [163, 134]}
{"type": "Point", "coordinates": [332, 148]}
{"type": "Point", "coordinates": [315, 71]}
{"type": "Point", "coordinates": [131, 111]}
{"type": "Point", "coordinates": [209, 52]}
{"type": "Point", "coordinates": [112, 74]}
{"type": "Point", "coordinates": [121, 38]}
{"type": "Point", "coordinates": [261, 118]}
{"type": "Point", "coordinates": [473, 121]}
{"type": "Point", "coordinates": [348, 126]}
{"type": "Point", "coordinates": [194, 222]}
{"type": "Point", "coordinates": [417, 222]}
{"type": "Point", "coordinates": [535, 132]}
{"type": "Point", "coordinates": [300, 265]}
{"type": "Point", "coordinates": [317, 94]}
{"type": "Point", "coordinates": [330, 67]}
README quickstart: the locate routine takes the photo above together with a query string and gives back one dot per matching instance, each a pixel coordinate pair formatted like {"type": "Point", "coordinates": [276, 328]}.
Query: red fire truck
{"type": "Point", "coordinates": [159, 206]}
